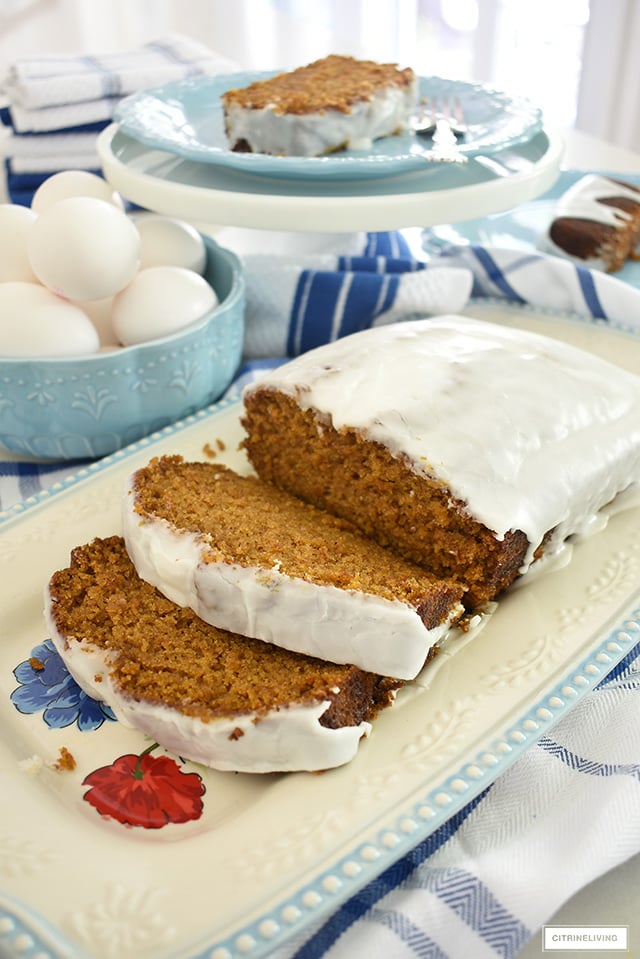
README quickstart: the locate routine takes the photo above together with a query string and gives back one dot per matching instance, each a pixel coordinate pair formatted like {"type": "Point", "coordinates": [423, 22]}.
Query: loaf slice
{"type": "Point", "coordinates": [249, 557]}
{"type": "Point", "coordinates": [208, 695]}
{"type": "Point", "coordinates": [329, 105]}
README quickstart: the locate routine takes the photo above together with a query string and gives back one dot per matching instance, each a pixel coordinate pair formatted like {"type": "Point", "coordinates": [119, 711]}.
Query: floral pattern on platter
{"type": "Point", "coordinates": [47, 686]}
{"type": "Point", "coordinates": [145, 790]}
{"type": "Point", "coordinates": [135, 790]}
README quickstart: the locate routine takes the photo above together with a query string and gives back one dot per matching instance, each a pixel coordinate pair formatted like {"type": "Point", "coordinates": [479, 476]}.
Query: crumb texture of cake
{"type": "Point", "coordinates": [596, 222]}
{"type": "Point", "coordinates": [249, 557]}
{"type": "Point", "coordinates": [217, 698]}
{"type": "Point", "coordinates": [329, 105]}
{"type": "Point", "coordinates": [469, 447]}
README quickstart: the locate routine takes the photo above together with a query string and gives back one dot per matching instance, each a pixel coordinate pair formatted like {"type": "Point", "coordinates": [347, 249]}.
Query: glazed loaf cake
{"type": "Point", "coordinates": [251, 558]}
{"type": "Point", "coordinates": [597, 223]}
{"type": "Point", "coordinates": [468, 447]}
{"type": "Point", "coordinates": [208, 695]}
{"type": "Point", "coordinates": [331, 104]}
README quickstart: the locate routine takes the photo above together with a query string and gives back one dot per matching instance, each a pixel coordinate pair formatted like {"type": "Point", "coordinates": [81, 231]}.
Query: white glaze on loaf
{"type": "Point", "coordinates": [282, 740]}
{"type": "Point", "coordinates": [340, 625]}
{"type": "Point", "coordinates": [530, 433]}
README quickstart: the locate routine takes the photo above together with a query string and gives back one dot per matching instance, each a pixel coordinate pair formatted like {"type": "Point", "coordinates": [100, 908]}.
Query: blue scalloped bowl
{"type": "Point", "coordinates": [86, 407]}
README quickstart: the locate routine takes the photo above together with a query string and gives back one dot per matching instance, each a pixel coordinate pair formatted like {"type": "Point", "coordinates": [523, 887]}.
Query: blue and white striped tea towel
{"type": "Point", "coordinates": [565, 813]}
{"type": "Point", "coordinates": [546, 282]}
{"type": "Point", "coordinates": [38, 83]}
{"type": "Point", "coordinates": [325, 297]}
{"type": "Point", "coordinates": [296, 302]}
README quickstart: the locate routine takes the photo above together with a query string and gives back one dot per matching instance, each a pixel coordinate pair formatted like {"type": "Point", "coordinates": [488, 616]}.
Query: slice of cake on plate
{"type": "Point", "coordinates": [332, 104]}
{"type": "Point", "coordinates": [596, 222]}
{"type": "Point", "coordinates": [208, 695]}
{"type": "Point", "coordinates": [251, 558]}
{"type": "Point", "coordinates": [468, 447]}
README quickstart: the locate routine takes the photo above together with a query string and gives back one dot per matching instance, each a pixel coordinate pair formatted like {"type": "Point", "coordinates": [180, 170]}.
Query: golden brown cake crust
{"type": "Point", "coordinates": [341, 472]}
{"type": "Point", "coordinates": [244, 521]}
{"type": "Point", "coordinates": [333, 83]}
{"type": "Point", "coordinates": [166, 655]}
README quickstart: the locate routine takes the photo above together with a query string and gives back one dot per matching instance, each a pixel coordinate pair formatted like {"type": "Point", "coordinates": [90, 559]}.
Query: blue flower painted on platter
{"type": "Point", "coordinates": [46, 685]}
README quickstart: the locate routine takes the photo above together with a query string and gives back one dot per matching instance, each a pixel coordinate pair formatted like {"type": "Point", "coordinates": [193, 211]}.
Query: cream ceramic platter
{"type": "Point", "coordinates": [257, 860]}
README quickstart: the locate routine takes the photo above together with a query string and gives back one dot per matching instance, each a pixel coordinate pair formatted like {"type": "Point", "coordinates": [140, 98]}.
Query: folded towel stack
{"type": "Point", "coordinates": [55, 106]}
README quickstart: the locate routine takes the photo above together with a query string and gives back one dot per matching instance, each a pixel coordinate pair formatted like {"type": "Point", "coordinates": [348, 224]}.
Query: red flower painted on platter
{"type": "Point", "coordinates": [145, 790]}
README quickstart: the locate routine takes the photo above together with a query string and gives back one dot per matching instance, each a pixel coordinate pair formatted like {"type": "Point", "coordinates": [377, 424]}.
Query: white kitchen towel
{"type": "Point", "coordinates": [51, 81]}
{"type": "Point", "coordinates": [47, 166]}
{"type": "Point", "coordinates": [45, 147]}
{"type": "Point", "coordinates": [67, 116]}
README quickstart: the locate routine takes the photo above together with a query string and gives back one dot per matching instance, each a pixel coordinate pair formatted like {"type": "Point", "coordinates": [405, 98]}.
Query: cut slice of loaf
{"type": "Point", "coordinates": [251, 558]}
{"type": "Point", "coordinates": [208, 695]}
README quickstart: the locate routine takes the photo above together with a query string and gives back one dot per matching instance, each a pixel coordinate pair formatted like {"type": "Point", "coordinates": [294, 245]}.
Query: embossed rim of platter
{"type": "Point", "coordinates": [391, 836]}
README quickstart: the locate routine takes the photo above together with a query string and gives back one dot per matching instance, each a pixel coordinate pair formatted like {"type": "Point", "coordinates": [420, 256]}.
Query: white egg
{"type": "Point", "coordinates": [36, 322]}
{"type": "Point", "coordinates": [169, 242]}
{"type": "Point", "coordinates": [99, 312]}
{"type": "Point", "coordinates": [160, 300]}
{"type": "Point", "coordinates": [15, 223]}
{"type": "Point", "coordinates": [68, 183]}
{"type": "Point", "coordinates": [84, 248]}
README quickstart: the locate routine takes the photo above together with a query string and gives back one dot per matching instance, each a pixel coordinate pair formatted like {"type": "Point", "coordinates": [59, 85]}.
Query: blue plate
{"type": "Point", "coordinates": [523, 227]}
{"type": "Point", "coordinates": [186, 118]}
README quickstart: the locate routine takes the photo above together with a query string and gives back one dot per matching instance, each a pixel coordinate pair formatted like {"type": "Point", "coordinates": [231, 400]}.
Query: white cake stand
{"type": "Point", "coordinates": [165, 183]}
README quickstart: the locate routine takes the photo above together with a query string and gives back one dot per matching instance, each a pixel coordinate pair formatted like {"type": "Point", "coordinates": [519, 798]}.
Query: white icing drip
{"type": "Point", "coordinates": [314, 134]}
{"type": "Point", "coordinates": [342, 626]}
{"type": "Point", "coordinates": [584, 200]}
{"type": "Point", "coordinates": [284, 740]}
{"type": "Point", "coordinates": [529, 432]}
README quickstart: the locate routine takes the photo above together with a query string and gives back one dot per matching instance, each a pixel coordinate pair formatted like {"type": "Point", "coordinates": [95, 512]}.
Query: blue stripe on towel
{"type": "Point", "coordinates": [589, 767]}
{"type": "Point", "coordinates": [367, 297]}
{"type": "Point", "coordinates": [390, 243]}
{"type": "Point", "coordinates": [627, 669]}
{"type": "Point", "coordinates": [110, 82]}
{"type": "Point", "coordinates": [380, 264]}
{"type": "Point", "coordinates": [408, 932]}
{"type": "Point", "coordinates": [477, 907]}
{"type": "Point", "coordinates": [495, 274]}
{"type": "Point", "coordinates": [359, 904]}
{"type": "Point", "coordinates": [314, 304]}
{"type": "Point", "coordinates": [327, 306]}
{"type": "Point", "coordinates": [590, 293]}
